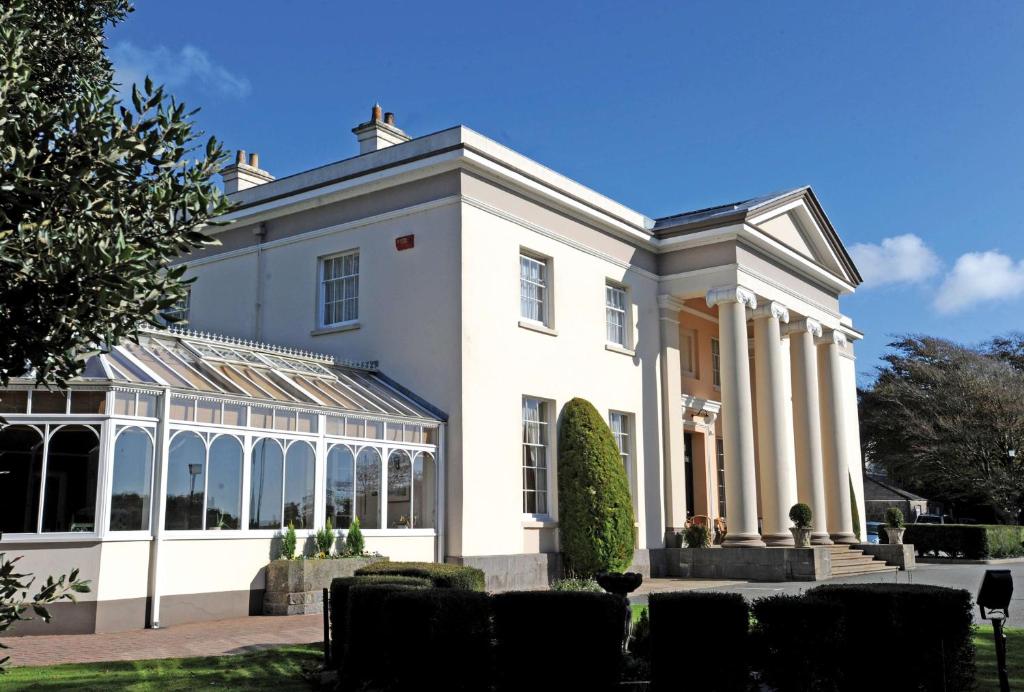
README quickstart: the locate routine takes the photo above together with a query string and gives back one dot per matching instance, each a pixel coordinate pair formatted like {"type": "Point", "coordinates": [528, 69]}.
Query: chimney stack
{"type": "Point", "coordinates": [244, 173]}
{"type": "Point", "coordinates": [378, 133]}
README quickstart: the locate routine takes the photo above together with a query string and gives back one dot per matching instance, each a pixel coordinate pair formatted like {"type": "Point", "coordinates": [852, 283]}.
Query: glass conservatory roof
{"type": "Point", "coordinates": [212, 365]}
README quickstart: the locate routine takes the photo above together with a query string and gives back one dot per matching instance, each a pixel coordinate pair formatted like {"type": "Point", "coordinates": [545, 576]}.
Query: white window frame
{"type": "Point", "coordinates": [720, 475]}
{"type": "Point", "coordinates": [545, 408]}
{"type": "Point", "coordinates": [688, 345]}
{"type": "Point", "coordinates": [321, 302]}
{"type": "Point", "coordinates": [624, 312]}
{"type": "Point", "coordinates": [716, 362]}
{"type": "Point", "coordinates": [625, 443]}
{"type": "Point", "coordinates": [180, 310]}
{"type": "Point", "coordinates": [544, 285]}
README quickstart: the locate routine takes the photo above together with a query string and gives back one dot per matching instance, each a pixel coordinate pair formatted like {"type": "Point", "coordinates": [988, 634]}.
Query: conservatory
{"type": "Point", "coordinates": [167, 471]}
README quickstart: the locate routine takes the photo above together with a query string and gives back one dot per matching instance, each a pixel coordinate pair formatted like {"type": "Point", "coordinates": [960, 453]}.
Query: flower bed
{"type": "Point", "coordinates": [295, 587]}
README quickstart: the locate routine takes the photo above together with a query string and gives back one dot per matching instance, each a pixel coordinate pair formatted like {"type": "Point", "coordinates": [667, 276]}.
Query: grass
{"type": "Point", "coordinates": [988, 678]}
{"type": "Point", "coordinates": [280, 669]}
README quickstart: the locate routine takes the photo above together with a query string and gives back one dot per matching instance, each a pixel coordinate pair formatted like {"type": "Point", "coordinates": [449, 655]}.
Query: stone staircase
{"type": "Point", "coordinates": [847, 561]}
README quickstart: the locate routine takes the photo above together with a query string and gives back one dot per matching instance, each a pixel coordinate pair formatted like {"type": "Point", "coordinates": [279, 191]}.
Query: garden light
{"type": "Point", "coordinates": [994, 597]}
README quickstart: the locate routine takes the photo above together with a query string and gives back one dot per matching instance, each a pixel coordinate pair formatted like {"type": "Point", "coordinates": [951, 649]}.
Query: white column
{"type": "Point", "coordinates": [835, 450]}
{"type": "Point", "coordinates": [672, 418]}
{"type": "Point", "coordinates": [774, 439]}
{"type": "Point", "coordinates": [810, 481]}
{"type": "Point", "coordinates": [737, 415]}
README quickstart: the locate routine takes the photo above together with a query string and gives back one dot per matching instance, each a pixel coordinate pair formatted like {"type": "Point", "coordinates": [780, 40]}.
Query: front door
{"type": "Point", "coordinates": [688, 471]}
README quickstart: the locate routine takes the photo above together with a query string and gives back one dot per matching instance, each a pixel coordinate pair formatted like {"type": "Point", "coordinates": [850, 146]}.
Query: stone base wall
{"type": "Point", "coordinates": [295, 587]}
{"type": "Point", "coordinates": [534, 571]}
{"type": "Point", "coordinates": [755, 564]}
{"type": "Point", "coordinates": [901, 556]}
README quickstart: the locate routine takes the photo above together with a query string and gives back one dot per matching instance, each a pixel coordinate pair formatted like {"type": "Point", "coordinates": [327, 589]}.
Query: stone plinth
{"type": "Point", "coordinates": [295, 587]}
{"type": "Point", "coordinates": [755, 564]}
{"type": "Point", "coordinates": [901, 556]}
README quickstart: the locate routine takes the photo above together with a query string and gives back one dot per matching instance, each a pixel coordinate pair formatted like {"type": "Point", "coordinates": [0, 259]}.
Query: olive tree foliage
{"type": "Point", "coordinates": [941, 419]}
{"type": "Point", "coordinates": [97, 192]}
{"type": "Point", "coordinates": [15, 600]}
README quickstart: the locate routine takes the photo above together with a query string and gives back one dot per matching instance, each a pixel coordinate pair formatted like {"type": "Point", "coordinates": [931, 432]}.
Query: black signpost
{"type": "Point", "coordinates": [994, 597]}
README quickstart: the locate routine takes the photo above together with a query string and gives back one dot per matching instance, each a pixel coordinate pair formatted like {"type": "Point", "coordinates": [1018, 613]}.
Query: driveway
{"type": "Point", "coordinates": [955, 576]}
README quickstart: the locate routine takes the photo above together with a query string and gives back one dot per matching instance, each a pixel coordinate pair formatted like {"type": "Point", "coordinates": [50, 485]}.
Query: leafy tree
{"type": "Point", "coordinates": [941, 418]}
{"type": "Point", "coordinates": [15, 600]}
{"type": "Point", "coordinates": [595, 513]}
{"type": "Point", "coordinates": [96, 196]}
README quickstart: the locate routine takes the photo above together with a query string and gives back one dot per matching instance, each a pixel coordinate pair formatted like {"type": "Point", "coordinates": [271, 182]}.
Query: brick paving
{"type": "Point", "coordinates": [235, 636]}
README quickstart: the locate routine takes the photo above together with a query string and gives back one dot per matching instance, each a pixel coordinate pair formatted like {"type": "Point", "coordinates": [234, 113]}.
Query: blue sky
{"type": "Point", "coordinates": [906, 118]}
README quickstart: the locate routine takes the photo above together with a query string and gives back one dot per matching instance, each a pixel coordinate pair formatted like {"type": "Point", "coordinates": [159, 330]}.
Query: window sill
{"type": "Point", "coordinates": [347, 327]}
{"type": "Point", "coordinates": [615, 348]}
{"type": "Point", "coordinates": [68, 537]}
{"type": "Point", "coordinates": [538, 522]}
{"type": "Point", "coordinates": [537, 327]}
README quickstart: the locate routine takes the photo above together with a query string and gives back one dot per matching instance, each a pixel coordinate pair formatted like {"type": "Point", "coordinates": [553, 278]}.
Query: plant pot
{"type": "Point", "coordinates": [895, 535]}
{"type": "Point", "coordinates": [801, 537]}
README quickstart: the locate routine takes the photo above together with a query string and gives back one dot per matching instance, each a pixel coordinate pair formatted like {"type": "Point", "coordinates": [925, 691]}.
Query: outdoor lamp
{"type": "Point", "coordinates": [994, 596]}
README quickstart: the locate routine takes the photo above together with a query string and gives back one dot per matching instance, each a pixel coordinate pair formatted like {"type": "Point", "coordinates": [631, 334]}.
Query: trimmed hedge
{"type": "Point", "coordinates": [679, 620]}
{"type": "Point", "coordinates": [340, 587]}
{"type": "Point", "coordinates": [448, 633]}
{"type": "Point", "coordinates": [797, 643]}
{"type": "Point", "coordinates": [595, 512]}
{"type": "Point", "coordinates": [970, 541]}
{"type": "Point", "coordinates": [369, 636]}
{"type": "Point", "coordinates": [442, 575]}
{"type": "Point", "coordinates": [931, 625]}
{"type": "Point", "coordinates": [559, 640]}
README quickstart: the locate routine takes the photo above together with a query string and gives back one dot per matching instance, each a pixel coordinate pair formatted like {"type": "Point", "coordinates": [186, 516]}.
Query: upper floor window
{"type": "Point", "coordinates": [615, 314]}
{"type": "Point", "coordinates": [339, 289]}
{"type": "Point", "coordinates": [716, 363]}
{"type": "Point", "coordinates": [688, 353]}
{"type": "Point", "coordinates": [533, 289]}
{"type": "Point", "coordinates": [177, 314]}
{"type": "Point", "coordinates": [535, 456]}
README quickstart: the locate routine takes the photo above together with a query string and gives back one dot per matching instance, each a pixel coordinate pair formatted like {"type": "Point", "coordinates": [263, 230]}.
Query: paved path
{"type": "Point", "coordinates": [235, 636]}
{"type": "Point", "coordinates": [956, 576]}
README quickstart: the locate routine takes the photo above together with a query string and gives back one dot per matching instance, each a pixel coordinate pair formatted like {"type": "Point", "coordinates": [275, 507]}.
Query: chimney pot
{"type": "Point", "coordinates": [378, 132]}
{"type": "Point", "coordinates": [389, 118]}
{"type": "Point", "coordinates": [375, 113]}
{"type": "Point", "coordinates": [254, 160]}
{"type": "Point", "coordinates": [244, 173]}
{"type": "Point", "coordinates": [240, 157]}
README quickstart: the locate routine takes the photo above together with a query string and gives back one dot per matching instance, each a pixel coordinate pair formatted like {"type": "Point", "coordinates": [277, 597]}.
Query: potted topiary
{"type": "Point", "coordinates": [894, 525]}
{"type": "Point", "coordinates": [697, 536]}
{"type": "Point", "coordinates": [800, 515]}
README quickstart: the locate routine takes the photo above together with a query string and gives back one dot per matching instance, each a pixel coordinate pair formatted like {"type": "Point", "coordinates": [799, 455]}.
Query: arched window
{"type": "Point", "coordinates": [186, 467]}
{"type": "Point", "coordinates": [340, 470]}
{"type": "Point", "coordinates": [300, 467]}
{"type": "Point", "coordinates": [72, 470]}
{"type": "Point", "coordinates": [21, 469]}
{"type": "Point", "coordinates": [399, 490]}
{"type": "Point", "coordinates": [224, 484]}
{"type": "Point", "coordinates": [368, 488]}
{"type": "Point", "coordinates": [424, 491]}
{"type": "Point", "coordinates": [266, 485]}
{"type": "Point", "coordinates": [132, 481]}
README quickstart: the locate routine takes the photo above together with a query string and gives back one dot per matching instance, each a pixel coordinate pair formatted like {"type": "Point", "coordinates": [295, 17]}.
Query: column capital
{"type": "Point", "coordinates": [731, 294]}
{"type": "Point", "coordinates": [812, 327]}
{"type": "Point", "coordinates": [772, 309]}
{"type": "Point", "coordinates": [831, 336]}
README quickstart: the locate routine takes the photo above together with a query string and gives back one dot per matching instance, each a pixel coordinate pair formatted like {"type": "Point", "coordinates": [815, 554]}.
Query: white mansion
{"type": "Point", "coordinates": [461, 294]}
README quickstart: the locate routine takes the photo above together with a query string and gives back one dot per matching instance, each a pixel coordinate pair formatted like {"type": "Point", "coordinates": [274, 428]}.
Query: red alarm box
{"type": "Point", "coordinates": [405, 242]}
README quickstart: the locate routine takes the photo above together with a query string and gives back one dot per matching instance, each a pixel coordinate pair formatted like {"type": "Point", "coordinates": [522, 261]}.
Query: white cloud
{"type": "Point", "coordinates": [190, 65]}
{"type": "Point", "coordinates": [979, 277]}
{"type": "Point", "coordinates": [900, 259]}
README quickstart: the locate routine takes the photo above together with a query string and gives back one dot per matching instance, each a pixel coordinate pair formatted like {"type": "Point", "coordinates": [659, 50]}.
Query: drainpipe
{"type": "Point", "coordinates": [157, 504]}
{"type": "Point", "coordinates": [260, 232]}
{"type": "Point", "coordinates": [442, 510]}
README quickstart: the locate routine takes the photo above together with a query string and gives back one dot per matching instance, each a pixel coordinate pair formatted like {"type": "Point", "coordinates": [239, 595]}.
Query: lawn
{"type": "Point", "coordinates": [279, 669]}
{"type": "Point", "coordinates": [987, 678]}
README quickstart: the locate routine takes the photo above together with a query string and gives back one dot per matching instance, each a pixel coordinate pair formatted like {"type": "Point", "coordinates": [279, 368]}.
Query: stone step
{"type": "Point", "coordinates": [851, 557]}
{"type": "Point", "coordinates": [877, 568]}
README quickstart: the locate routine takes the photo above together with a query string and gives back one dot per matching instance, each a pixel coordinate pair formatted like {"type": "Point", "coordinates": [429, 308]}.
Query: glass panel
{"type": "Point", "coordinates": [72, 467]}
{"type": "Point", "coordinates": [284, 420]}
{"type": "Point", "coordinates": [430, 436]}
{"type": "Point", "coordinates": [394, 432]}
{"type": "Point", "coordinates": [49, 402]}
{"type": "Point", "coordinates": [335, 425]}
{"type": "Point", "coordinates": [13, 402]}
{"type": "Point", "coordinates": [147, 406]}
{"type": "Point", "coordinates": [399, 491]}
{"type": "Point", "coordinates": [534, 456]}
{"type": "Point", "coordinates": [340, 464]}
{"type": "Point", "coordinates": [224, 485]}
{"type": "Point", "coordinates": [159, 367]}
{"type": "Point", "coordinates": [234, 414]}
{"type": "Point", "coordinates": [186, 463]}
{"type": "Point", "coordinates": [424, 492]}
{"type": "Point", "coordinates": [375, 429]}
{"type": "Point", "coordinates": [368, 489]}
{"type": "Point", "coordinates": [21, 467]}
{"type": "Point", "coordinates": [124, 403]}
{"type": "Point", "coordinates": [260, 417]}
{"type": "Point", "coordinates": [306, 422]}
{"type": "Point", "coordinates": [132, 482]}
{"type": "Point", "coordinates": [300, 467]}
{"type": "Point", "coordinates": [266, 479]}
{"type": "Point", "coordinates": [354, 427]}
{"type": "Point", "coordinates": [413, 433]}
{"type": "Point", "coordinates": [183, 409]}
{"type": "Point", "coordinates": [208, 412]}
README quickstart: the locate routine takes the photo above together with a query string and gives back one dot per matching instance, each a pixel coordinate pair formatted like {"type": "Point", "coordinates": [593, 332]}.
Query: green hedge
{"type": "Point", "coordinates": [718, 622]}
{"type": "Point", "coordinates": [931, 627]}
{"type": "Point", "coordinates": [557, 640]}
{"type": "Point", "coordinates": [797, 643]}
{"type": "Point", "coordinates": [970, 541]}
{"type": "Point", "coordinates": [340, 587]}
{"type": "Point", "coordinates": [595, 512]}
{"type": "Point", "coordinates": [442, 575]}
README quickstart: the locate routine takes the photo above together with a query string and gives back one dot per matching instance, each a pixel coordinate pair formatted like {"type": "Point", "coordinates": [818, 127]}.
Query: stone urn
{"type": "Point", "coordinates": [801, 536]}
{"type": "Point", "coordinates": [895, 534]}
{"type": "Point", "coordinates": [621, 585]}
